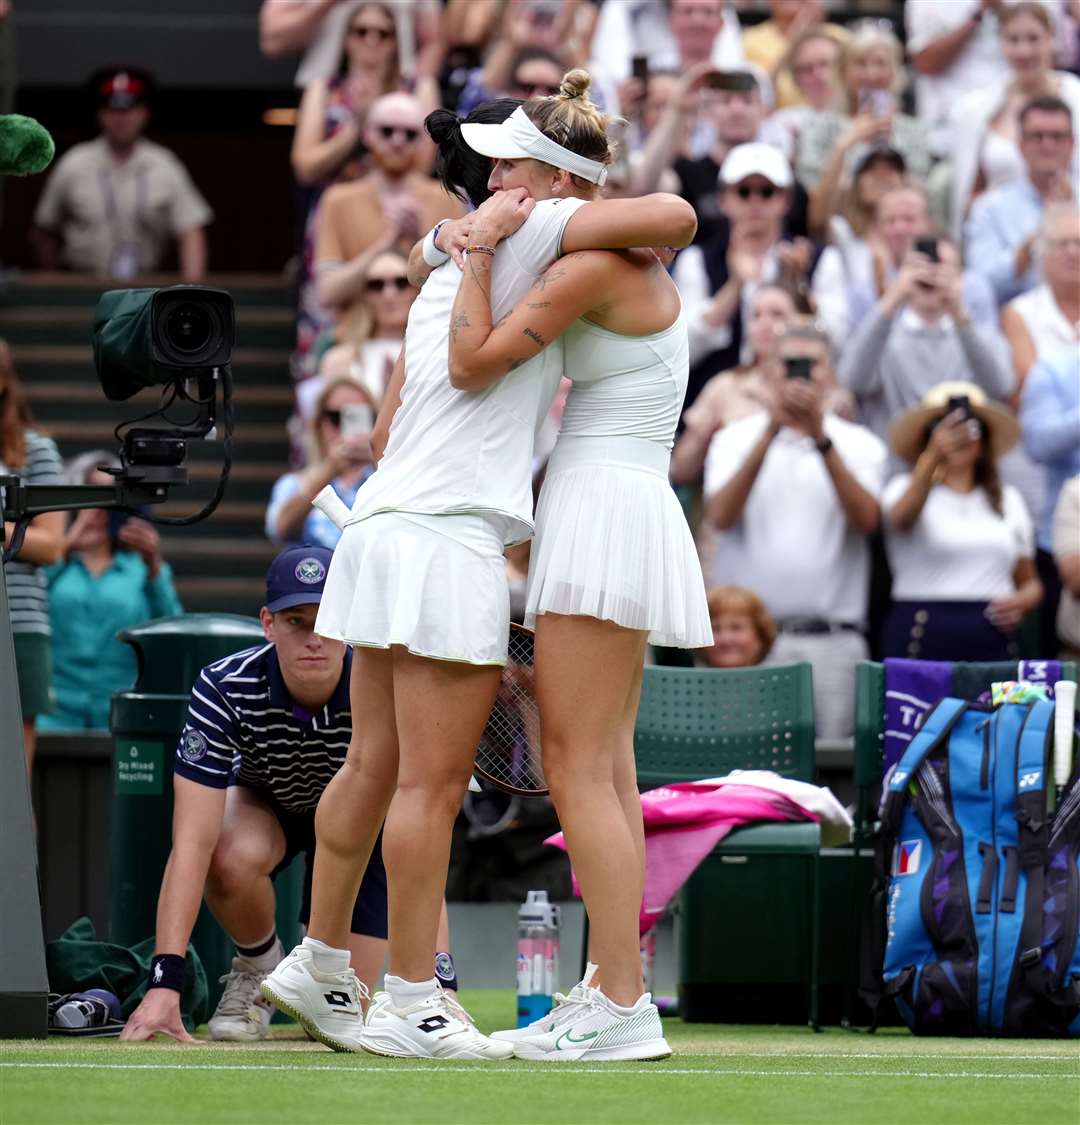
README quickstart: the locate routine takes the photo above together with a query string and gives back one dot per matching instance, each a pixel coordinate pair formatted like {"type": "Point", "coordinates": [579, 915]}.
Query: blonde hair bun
{"type": "Point", "coordinates": [575, 83]}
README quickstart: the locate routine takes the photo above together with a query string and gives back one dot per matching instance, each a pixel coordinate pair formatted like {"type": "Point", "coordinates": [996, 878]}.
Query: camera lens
{"type": "Point", "coordinates": [188, 327]}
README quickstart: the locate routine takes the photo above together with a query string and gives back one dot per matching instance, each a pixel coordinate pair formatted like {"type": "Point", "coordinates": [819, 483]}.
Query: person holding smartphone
{"type": "Point", "coordinates": [872, 75]}
{"type": "Point", "coordinates": [112, 576]}
{"type": "Point", "coordinates": [921, 328]}
{"type": "Point", "coordinates": [339, 438]}
{"type": "Point", "coordinates": [795, 490]}
{"type": "Point", "coordinates": [961, 544]}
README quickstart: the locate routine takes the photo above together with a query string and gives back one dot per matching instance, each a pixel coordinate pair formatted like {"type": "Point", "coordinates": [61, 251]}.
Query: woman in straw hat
{"type": "Point", "coordinates": [960, 543]}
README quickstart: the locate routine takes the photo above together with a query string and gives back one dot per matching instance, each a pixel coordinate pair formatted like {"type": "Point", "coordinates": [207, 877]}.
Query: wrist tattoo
{"type": "Point", "coordinates": [535, 337]}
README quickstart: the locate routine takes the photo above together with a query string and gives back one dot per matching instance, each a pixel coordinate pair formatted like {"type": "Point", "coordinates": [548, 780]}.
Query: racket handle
{"type": "Point", "coordinates": [330, 504]}
{"type": "Point", "coordinates": [1064, 710]}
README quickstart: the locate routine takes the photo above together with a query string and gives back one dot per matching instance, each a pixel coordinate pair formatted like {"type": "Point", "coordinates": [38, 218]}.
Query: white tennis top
{"type": "Point", "coordinates": [625, 386]}
{"type": "Point", "coordinates": [453, 451]}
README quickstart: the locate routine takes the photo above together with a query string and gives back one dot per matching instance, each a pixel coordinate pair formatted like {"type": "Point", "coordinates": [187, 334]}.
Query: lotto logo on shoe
{"type": "Point", "coordinates": [338, 999]}
{"type": "Point", "coordinates": [432, 1023]}
{"type": "Point", "coordinates": [908, 857]}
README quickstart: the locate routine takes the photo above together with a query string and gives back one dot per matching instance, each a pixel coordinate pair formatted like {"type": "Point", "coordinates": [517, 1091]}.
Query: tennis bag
{"type": "Point", "coordinates": [973, 922]}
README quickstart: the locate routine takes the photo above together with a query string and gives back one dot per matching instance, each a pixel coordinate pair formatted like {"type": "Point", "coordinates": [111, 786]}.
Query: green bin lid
{"type": "Point", "coordinates": [172, 650]}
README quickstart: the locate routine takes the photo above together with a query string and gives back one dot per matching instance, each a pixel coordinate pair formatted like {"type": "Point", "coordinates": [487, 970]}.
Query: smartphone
{"type": "Point", "coordinates": [878, 102]}
{"type": "Point", "coordinates": [929, 247]}
{"type": "Point", "coordinates": [356, 418]}
{"type": "Point", "coordinates": [961, 403]}
{"type": "Point", "coordinates": [798, 367]}
{"type": "Point", "coordinates": [543, 12]}
{"type": "Point", "coordinates": [639, 68]}
{"type": "Point", "coordinates": [118, 518]}
{"type": "Point", "coordinates": [733, 81]}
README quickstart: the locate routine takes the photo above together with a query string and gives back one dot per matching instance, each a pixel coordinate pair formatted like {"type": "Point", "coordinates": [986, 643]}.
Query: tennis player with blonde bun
{"type": "Point", "coordinates": [418, 586]}
{"type": "Point", "coordinates": [613, 564]}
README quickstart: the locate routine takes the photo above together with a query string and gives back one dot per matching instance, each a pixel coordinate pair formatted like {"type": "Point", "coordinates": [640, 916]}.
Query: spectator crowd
{"type": "Point", "coordinates": [880, 445]}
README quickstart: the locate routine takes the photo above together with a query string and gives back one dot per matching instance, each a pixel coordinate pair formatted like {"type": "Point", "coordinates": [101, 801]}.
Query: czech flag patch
{"type": "Point", "coordinates": [907, 857]}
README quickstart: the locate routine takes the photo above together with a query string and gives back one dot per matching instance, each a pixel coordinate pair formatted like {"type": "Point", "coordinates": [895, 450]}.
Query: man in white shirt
{"type": "Point", "coordinates": [795, 492]}
{"type": "Point", "coordinates": [718, 279]}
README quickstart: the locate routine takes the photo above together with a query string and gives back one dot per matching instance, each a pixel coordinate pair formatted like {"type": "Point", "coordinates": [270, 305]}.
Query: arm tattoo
{"type": "Point", "coordinates": [459, 321]}
{"type": "Point", "coordinates": [516, 363]}
{"type": "Point", "coordinates": [535, 336]}
{"type": "Point", "coordinates": [537, 305]}
{"type": "Point", "coordinates": [542, 282]}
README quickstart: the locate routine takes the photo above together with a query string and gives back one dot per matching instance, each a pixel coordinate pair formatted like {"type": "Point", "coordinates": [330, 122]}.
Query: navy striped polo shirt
{"type": "Point", "coordinates": [243, 728]}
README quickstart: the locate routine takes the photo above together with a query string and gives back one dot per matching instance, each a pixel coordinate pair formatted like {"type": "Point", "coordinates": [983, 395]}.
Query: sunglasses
{"type": "Point", "coordinates": [370, 31]}
{"type": "Point", "coordinates": [746, 191]}
{"type": "Point", "coordinates": [387, 132]}
{"type": "Point", "coordinates": [1036, 136]}
{"type": "Point", "coordinates": [378, 284]}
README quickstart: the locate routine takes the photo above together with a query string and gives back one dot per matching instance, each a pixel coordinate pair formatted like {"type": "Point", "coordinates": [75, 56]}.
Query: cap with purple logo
{"type": "Point", "coordinates": [296, 577]}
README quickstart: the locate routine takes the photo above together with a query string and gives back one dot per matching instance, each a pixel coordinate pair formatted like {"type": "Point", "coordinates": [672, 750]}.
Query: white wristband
{"type": "Point", "coordinates": [432, 254]}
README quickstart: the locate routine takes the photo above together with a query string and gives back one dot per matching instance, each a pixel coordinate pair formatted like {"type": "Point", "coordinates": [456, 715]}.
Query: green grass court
{"type": "Point", "coordinates": [719, 1073]}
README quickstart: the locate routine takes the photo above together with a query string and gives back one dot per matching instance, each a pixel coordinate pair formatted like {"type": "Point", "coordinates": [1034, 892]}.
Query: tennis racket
{"type": "Point", "coordinates": [509, 752]}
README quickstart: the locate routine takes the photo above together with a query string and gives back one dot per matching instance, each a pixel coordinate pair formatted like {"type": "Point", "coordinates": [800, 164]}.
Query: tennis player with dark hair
{"type": "Point", "coordinates": [418, 587]}
{"type": "Point", "coordinates": [266, 730]}
{"type": "Point", "coordinates": [613, 565]}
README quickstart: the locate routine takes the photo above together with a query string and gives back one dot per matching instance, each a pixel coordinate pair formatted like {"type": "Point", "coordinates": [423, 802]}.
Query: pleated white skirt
{"type": "Point", "coordinates": [612, 542]}
{"type": "Point", "coordinates": [435, 584]}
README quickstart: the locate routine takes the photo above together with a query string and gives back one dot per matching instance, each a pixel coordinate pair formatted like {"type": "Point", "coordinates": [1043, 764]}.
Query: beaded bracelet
{"type": "Point", "coordinates": [480, 250]}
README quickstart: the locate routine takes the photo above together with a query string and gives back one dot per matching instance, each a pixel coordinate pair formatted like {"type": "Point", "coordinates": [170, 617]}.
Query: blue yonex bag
{"type": "Point", "coordinates": [978, 903]}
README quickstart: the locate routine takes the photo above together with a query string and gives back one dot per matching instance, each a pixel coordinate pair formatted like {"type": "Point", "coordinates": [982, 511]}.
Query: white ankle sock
{"type": "Point", "coordinates": [403, 993]}
{"type": "Point", "coordinates": [621, 1009]}
{"type": "Point", "coordinates": [327, 959]}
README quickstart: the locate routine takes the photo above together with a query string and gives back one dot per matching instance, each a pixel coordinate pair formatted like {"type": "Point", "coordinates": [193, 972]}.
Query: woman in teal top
{"type": "Point", "coordinates": [107, 581]}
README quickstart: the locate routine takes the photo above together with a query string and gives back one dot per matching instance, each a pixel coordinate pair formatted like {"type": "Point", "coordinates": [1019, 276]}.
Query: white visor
{"type": "Point", "coordinates": [517, 138]}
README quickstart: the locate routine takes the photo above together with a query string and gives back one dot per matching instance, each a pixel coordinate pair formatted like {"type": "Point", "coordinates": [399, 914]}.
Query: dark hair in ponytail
{"type": "Point", "coordinates": [461, 171]}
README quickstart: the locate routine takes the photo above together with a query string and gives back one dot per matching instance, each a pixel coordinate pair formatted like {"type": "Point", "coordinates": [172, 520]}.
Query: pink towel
{"type": "Point", "coordinates": [684, 822]}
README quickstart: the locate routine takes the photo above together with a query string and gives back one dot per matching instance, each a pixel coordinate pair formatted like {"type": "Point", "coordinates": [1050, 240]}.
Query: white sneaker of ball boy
{"type": "Point", "coordinates": [317, 988]}
{"type": "Point", "coordinates": [585, 1026]}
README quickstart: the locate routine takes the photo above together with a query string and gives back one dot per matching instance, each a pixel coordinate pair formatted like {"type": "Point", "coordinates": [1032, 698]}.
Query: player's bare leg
{"type": "Point", "coordinates": [444, 706]}
{"type": "Point", "coordinates": [588, 678]}
{"type": "Point", "coordinates": [316, 983]}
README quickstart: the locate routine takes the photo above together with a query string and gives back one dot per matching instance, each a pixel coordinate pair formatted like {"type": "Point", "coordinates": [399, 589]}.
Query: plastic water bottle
{"type": "Point", "coordinates": [537, 956]}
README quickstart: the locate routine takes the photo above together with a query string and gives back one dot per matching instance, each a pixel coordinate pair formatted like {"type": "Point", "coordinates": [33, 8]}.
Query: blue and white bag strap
{"type": "Point", "coordinates": [1032, 760]}
{"type": "Point", "coordinates": [935, 729]}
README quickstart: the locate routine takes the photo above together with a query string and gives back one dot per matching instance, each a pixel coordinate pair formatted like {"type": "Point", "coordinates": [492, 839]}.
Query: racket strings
{"type": "Point", "coordinates": [509, 751]}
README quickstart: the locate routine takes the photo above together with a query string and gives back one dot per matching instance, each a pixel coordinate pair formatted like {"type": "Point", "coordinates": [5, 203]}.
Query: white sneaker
{"type": "Point", "coordinates": [597, 1032]}
{"type": "Point", "coordinates": [242, 1014]}
{"type": "Point", "coordinates": [326, 1005]}
{"type": "Point", "coordinates": [565, 1009]}
{"type": "Point", "coordinates": [428, 1029]}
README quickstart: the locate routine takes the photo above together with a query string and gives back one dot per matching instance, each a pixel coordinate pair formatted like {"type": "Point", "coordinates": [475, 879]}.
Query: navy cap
{"type": "Point", "coordinates": [296, 577]}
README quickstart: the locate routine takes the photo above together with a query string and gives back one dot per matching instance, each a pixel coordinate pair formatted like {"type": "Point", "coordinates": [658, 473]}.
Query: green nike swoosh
{"type": "Point", "coordinates": [570, 1039]}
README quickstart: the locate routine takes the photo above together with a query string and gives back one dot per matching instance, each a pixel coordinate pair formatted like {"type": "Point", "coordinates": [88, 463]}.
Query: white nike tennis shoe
{"type": "Point", "coordinates": [433, 1028]}
{"type": "Point", "coordinates": [593, 1029]}
{"type": "Point", "coordinates": [565, 1010]}
{"type": "Point", "coordinates": [243, 1014]}
{"type": "Point", "coordinates": [326, 1005]}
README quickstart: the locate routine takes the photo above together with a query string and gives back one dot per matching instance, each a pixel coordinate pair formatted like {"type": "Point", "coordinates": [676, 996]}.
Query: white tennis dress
{"type": "Point", "coordinates": [611, 539]}
{"type": "Point", "coordinates": [420, 562]}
